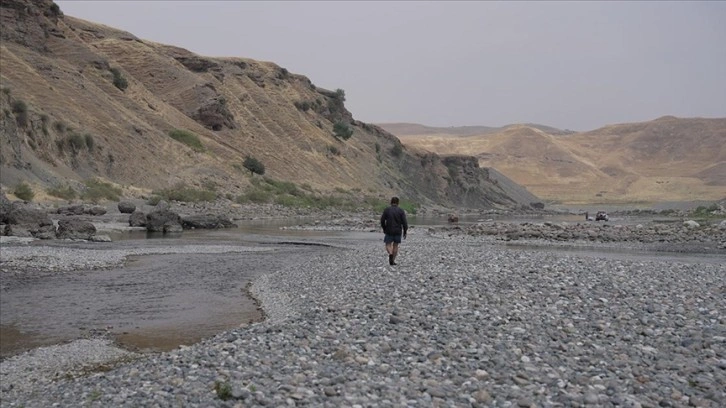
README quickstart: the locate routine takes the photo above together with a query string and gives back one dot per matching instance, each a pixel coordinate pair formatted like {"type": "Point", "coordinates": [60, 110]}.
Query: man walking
{"type": "Point", "coordinates": [394, 224]}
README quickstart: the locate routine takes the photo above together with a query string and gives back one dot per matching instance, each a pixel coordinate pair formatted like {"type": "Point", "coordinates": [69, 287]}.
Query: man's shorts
{"type": "Point", "coordinates": [392, 238]}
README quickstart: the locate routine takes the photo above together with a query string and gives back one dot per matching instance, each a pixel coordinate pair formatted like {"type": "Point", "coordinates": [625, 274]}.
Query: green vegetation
{"type": "Point", "coordinates": [706, 212]}
{"type": "Point", "coordinates": [20, 109]}
{"type": "Point", "coordinates": [267, 190]}
{"type": "Point", "coordinates": [59, 126]}
{"type": "Point", "coordinates": [253, 165]}
{"type": "Point", "coordinates": [55, 9]}
{"type": "Point", "coordinates": [303, 106]}
{"type": "Point", "coordinates": [77, 141]}
{"type": "Point", "coordinates": [118, 80]}
{"type": "Point", "coordinates": [89, 141]}
{"type": "Point", "coordinates": [333, 150]}
{"type": "Point", "coordinates": [340, 95]}
{"type": "Point", "coordinates": [23, 191]}
{"type": "Point", "coordinates": [97, 190]}
{"type": "Point", "coordinates": [223, 390]}
{"type": "Point", "coordinates": [188, 138]}
{"type": "Point", "coordinates": [44, 124]}
{"type": "Point", "coordinates": [342, 130]}
{"type": "Point", "coordinates": [66, 193]}
{"type": "Point", "coordinates": [378, 147]}
{"type": "Point", "coordinates": [187, 194]}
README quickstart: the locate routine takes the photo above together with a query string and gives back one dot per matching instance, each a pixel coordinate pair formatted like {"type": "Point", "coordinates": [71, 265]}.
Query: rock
{"type": "Point", "coordinates": [163, 221]}
{"type": "Point", "coordinates": [126, 207]}
{"type": "Point", "coordinates": [75, 229]}
{"type": "Point", "coordinates": [137, 219]}
{"type": "Point", "coordinates": [97, 210]}
{"type": "Point", "coordinates": [453, 218]}
{"type": "Point", "coordinates": [691, 224]}
{"type": "Point", "coordinates": [162, 206]}
{"type": "Point", "coordinates": [76, 209]}
{"type": "Point", "coordinates": [722, 225]}
{"type": "Point", "coordinates": [5, 207]}
{"type": "Point", "coordinates": [207, 222]}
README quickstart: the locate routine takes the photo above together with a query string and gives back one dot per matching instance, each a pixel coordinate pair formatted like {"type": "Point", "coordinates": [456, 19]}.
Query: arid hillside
{"type": "Point", "coordinates": [667, 159]}
{"type": "Point", "coordinates": [81, 100]}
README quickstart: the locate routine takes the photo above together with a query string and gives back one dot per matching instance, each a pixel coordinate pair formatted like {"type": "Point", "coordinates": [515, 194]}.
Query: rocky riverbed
{"type": "Point", "coordinates": [461, 321]}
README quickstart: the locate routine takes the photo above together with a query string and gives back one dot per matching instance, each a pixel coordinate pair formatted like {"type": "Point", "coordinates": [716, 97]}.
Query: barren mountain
{"type": "Point", "coordinates": [82, 100]}
{"type": "Point", "coordinates": [667, 159]}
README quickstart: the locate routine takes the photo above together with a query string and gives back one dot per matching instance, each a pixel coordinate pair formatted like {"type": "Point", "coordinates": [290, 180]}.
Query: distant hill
{"type": "Point", "coordinates": [667, 159]}
{"type": "Point", "coordinates": [81, 100]}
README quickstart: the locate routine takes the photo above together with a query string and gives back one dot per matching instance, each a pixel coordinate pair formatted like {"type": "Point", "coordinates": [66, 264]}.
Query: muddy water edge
{"type": "Point", "coordinates": [151, 303]}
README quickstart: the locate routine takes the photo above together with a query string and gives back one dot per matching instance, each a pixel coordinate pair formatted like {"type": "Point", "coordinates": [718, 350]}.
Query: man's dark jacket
{"type": "Point", "coordinates": [393, 221]}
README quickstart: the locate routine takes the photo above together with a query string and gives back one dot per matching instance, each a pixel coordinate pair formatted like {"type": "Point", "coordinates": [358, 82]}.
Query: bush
{"type": "Point", "coordinates": [89, 141]}
{"type": "Point", "coordinates": [188, 138]}
{"type": "Point", "coordinates": [333, 150]}
{"type": "Point", "coordinates": [77, 141]}
{"type": "Point", "coordinates": [97, 190]}
{"type": "Point", "coordinates": [59, 126]}
{"type": "Point", "coordinates": [342, 130]}
{"type": "Point", "coordinates": [253, 165]}
{"type": "Point", "coordinates": [303, 106]}
{"type": "Point", "coordinates": [23, 191]}
{"type": "Point", "coordinates": [66, 193]}
{"type": "Point", "coordinates": [118, 80]}
{"type": "Point", "coordinates": [20, 109]}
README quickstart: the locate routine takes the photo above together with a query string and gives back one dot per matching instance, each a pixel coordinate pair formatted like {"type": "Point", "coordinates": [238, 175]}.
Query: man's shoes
{"type": "Point", "coordinates": [390, 260]}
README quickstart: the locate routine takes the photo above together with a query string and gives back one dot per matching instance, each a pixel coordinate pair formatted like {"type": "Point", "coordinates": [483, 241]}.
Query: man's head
{"type": "Point", "coordinates": [394, 201]}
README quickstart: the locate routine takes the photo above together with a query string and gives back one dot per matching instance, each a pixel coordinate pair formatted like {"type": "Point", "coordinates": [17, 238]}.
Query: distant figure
{"type": "Point", "coordinates": [601, 216]}
{"type": "Point", "coordinates": [587, 216]}
{"type": "Point", "coordinates": [394, 225]}
{"type": "Point", "coordinates": [453, 218]}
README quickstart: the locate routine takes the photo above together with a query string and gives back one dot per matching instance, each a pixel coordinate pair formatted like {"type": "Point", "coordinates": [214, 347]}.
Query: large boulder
{"type": "Point", "coordinates": [5, 207]}
{"type": "Point", "coordinates": [97, 210]}
{"type": "Point", "coordinates": [207, 222]}
{"type": "Point", "coordinates": [73, 228]}
{"type": "Point", "coordinates": [137, 219]}
{"type": "Point", "coordinates": [163, 221]}
{"type": "Point", "coordinates": [80, 209]}
{"type": "Point", "coordinates": [126, 207]}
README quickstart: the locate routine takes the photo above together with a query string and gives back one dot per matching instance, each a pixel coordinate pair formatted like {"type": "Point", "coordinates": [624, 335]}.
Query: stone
{"type": "Point", "coordinates": [126, 207]}
{"type": "Point", "coordinates": [75, 229]}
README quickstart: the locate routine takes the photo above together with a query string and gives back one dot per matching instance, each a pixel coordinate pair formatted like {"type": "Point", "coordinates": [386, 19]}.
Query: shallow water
{"type": "Point", "coordinates": [153, 303]}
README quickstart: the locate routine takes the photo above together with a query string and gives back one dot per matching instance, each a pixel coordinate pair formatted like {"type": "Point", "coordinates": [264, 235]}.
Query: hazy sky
{"type": "Point", "coordinates": [571, 65]}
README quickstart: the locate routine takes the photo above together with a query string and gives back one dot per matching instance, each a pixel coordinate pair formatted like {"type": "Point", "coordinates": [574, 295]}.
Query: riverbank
{"type": "Point", "coordinates": [459, 322]}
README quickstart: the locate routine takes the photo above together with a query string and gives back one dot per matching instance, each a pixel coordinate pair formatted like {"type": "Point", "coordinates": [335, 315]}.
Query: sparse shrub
{"type": "Point", "coordinates": [66, 193]}
{"type": "Point", "coordinates": [6, 91]}
{"type": "Point", "coordinates": [253, 165]}
{"type": "Point", "coordinates": [154, 200]}
{"type": "Point", "coordinates": [255, 196]}
{"type": "Point", "coordinates": [44, 124]}
{"type": "Point", "coordinates": [223, 390]}
{"type": "Point", "coordinates": [20, 109]}
{"type": "Point", "coordinates": [23, 191]}
{"type": "Point", "coordinates": [89, 141]}
{"type": "Point", "coordinates": [184, 193]}
{"type": "Point", "coordinates": [76, 141]}
{"type": "Point", "coordinates": [333, 150]}
{"type": "Point", "coordinates": [97, 190]}
{"type": "Point", "coordinates": [302, 105]}
{"type": "Point", "coordinates": [60, 144]}
{"type": "Point", "coordinates": [397, 150]}
{"type": "Point", "coordinates": [340, 95]}
{"type": "Point", "coordinates": [378, 148]}
{"type": "Point", "coordinates": [188, 138]}
{"type": "Point", "coordinates": [342, 130]}
{"type": "Point", "coordinates": [59, 126]}
{"type": "Point", "coordinates": [118, 80]}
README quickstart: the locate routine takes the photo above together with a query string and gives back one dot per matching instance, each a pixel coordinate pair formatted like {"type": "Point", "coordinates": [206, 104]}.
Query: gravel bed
{"type": "Point", "coordinates": [459, 322]}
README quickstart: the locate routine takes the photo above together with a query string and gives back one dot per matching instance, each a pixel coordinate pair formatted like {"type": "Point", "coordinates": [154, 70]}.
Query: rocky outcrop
{"type": "Point", "coordinates": [81, 209]}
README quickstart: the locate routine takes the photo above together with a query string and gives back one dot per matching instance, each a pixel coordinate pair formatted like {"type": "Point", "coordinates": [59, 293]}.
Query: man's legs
{"type": "Point", "coordinates": [395, 251]}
